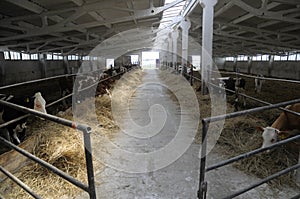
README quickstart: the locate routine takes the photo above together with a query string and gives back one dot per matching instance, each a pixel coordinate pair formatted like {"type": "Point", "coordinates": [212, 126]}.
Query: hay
{"type": "Point", "coordinates": [60, 146]}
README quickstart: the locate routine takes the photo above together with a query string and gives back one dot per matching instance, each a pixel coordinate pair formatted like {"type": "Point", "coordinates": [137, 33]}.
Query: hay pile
{"type": "Point", "coordinates": [62, 147]}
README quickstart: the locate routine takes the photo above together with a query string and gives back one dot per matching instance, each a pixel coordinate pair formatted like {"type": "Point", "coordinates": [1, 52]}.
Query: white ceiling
{"type": "Point", "coordinates": [77, 26]}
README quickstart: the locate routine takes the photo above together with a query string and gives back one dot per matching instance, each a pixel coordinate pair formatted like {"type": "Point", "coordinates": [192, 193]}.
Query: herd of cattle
{"type": "Point", "coordinates": [15, 132]}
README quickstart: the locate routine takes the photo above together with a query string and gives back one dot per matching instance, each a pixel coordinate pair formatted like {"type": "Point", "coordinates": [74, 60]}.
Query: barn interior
{"type": "Point", "coordinates": [168, 59]}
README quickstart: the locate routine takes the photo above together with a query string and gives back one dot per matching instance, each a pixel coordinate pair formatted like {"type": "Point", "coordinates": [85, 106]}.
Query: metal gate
{"type": "Point", "coordinates": [204, 168]}
{"type": "Point", "coordinates": [90, 188]}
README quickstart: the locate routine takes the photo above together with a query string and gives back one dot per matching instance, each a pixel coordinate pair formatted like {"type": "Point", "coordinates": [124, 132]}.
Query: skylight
{"type": "Point", "coordinates": [171, 13]}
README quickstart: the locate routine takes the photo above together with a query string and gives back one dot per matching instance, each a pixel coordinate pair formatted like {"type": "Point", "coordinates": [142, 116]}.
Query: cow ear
{"type": "Point", "coordinates": [259, 128]}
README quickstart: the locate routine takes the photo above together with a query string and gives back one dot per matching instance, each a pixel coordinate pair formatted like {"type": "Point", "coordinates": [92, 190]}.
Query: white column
{"type": "Point", "coordinates": [170, 49]}
{"type": "Point", "coordinates": [207, 39]}
{"type": "Point", "coordinates": [185, 25]}
{"type": "Point", "coordinates": [174, 45]}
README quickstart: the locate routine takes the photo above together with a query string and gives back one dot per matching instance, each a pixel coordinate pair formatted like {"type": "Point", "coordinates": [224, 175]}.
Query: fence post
{"type": "Point", "coordinates": [298, 170]}
{"type": "Point", "coordinates": [89, 162]}
{"type": "Point", "coordinates": [202, 184]}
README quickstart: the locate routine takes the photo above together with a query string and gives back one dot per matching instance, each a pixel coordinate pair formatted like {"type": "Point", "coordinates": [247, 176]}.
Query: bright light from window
{"type": "Point", "coordinates": [229, 59]}
{"type": "Point", "coordinates": [49, 57]}
{"type": "Point", "coordinates": [6, 55]}
{"type": "Point", "coordinates": [25, 56]}
{"type": "Point", "coordinates": [265, 57]}
{"type": "Point", "coordinates": [196, 60]}
{"type": "Point", "coordinates": [134, 59]}
{"type": "Point", "coordinates": [110, 62]}
{"type": "Point", "coordinates": [86, 58]}
{"type": "Point", "coordinates": [242, 58]}
{"type": "Point", "coordinates": [276, 58]}
{"type": "Point", "coordinates": [292, 57]}
{"type": "Point", "coordinates": [298, 57]}
{"type": "Point", "coordinates": [34, 57]}
{"type": "Point", "coordinates": [15, 55]}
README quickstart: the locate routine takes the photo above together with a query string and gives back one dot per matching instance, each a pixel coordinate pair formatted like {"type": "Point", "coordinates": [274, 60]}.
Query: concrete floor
{"type": "Point", "coordinates": [178, 179]}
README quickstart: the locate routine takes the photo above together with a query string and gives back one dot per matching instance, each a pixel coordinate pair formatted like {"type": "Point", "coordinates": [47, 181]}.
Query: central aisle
{"type": "Point", "coordinates": [177, 180]}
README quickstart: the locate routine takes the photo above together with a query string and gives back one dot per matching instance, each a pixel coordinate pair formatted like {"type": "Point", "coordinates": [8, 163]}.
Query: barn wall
{"type": "Point", "coordinates": [278, 69]}
{"type": "Point", "coordinates": [15, 71]}
{"type": "Point", "coordinates": [18, 71]}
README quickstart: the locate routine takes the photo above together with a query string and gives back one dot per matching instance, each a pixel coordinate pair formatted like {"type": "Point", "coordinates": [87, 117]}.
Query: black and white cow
{"type": "Point", "coordinates": [238, 86]}
{"type": "Point", "coordinates": [16, 130]}
{"type": "Point", "coordinates": [258, 83]}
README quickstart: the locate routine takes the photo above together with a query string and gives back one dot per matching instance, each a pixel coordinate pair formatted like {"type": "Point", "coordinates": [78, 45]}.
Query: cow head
{"type": "Point", "coordinates": [270, 135]}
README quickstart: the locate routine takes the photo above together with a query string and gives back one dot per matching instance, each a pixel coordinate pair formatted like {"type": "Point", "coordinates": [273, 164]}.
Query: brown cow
{"type": "Point", "coordinates": [285, 126]}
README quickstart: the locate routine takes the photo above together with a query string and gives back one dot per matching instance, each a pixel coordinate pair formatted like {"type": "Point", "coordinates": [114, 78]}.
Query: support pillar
{"type": "Point", "coordinates": [174, 42]}
{"type": "Point", "coordinates": [249, 69]}
{"type": "Point", "coordinates": [169, 51]}
{"type": "Point", "coordinates": [43, 65]}
{"type": "Point", "coordinates": [2, 69]}
{"type": "Point", "coordinates": [207, 39]}
{"type": "Point", "coordinates": [185, 26]}
{"type": "Point", "coordinates": [66, 65]}
{"type": "Point", "coordinates": [270, 66]}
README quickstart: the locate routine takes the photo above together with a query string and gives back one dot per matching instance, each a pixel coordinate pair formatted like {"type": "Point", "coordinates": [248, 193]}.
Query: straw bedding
{"type": "Point", "coordinates": [62, 147]}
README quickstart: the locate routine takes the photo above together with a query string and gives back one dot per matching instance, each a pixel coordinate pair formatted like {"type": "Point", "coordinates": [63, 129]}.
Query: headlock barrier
{"type": "Point", "coordinates": [203, 185]}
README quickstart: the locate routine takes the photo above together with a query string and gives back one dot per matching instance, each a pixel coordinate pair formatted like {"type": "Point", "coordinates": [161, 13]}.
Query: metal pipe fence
{"type": "Point", "coordinates": [253, 76]}
{"type": "Point", "coordinates": [59, 100]}
{"type": "Point", "coordinates": [90, 188]}
{"type": "Point", "coordinates": [203, 169]}
{"type": "Point", "coordinates": [86, 139]}
{"type": "Point", "coordinates": [247, 96]}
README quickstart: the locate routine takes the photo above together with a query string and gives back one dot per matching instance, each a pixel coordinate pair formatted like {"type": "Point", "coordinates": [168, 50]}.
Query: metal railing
{"type": "Point", "coordinates": [203, 169]}
{"type": "Point", "coordinates": [86, 136]}
{"type": "Point", "coordinates": [90, 188]}
{"type": "Point", "coordinates": [206, 121]}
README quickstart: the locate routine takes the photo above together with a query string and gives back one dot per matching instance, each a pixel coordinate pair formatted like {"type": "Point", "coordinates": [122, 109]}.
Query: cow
{"type": "Point", "coordinates": [17, 129]}
{"type": "Point", "coordinates": [258, 83]}
{"type": "Point", "coordinates": [238, 86]}
{"type": "Point", "coordinates": [285, 126]}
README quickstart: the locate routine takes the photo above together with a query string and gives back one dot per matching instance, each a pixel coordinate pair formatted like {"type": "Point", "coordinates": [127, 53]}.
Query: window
{"type": "Point", "coordinates": [49, 57]}
{"type": "Point", "coordinates": [257, 58]}
{"type": "Point", "coordinates": [229, 59]}
{"type": "Point", "coordinates": [134, 59]}
{"type": "Point", "coordinates": [25, 56]}
{"type": "Point", "coordinates": [284, 58]}
{"type": "Point", "coordinates": [292, 57]}
{"type": "Point", "coordinates": [110, 62]}
{"type": "Point", "coordinates": [57, 56]}
{"type": "Point", "coordinates": [242, 58]}
{"type": "Point", "coordinates": [196, 60]}
{"type": "Point", "coordinates": [276, 58]}
{"type": "Point", "coordinates": [6, 55]}
{"type": "Point", "coordinates": [265, 57]}
{"type": "Point", "coordinates": [34, 57]}
{"type": "Point", "coordinates": [15, 55]}
{"type": "Point", "coordinates": [86, 58]}
{"type": "Point", "coordinates": [298, 57]}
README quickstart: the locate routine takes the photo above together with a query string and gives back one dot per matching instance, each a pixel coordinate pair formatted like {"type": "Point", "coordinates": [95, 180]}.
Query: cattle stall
{"type": "Point", "coordinates": [239, 139]}
{"type": "Point", "coordinates": [12, 161]}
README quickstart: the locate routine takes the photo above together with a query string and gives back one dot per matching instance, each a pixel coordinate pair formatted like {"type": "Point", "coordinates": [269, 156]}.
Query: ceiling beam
{"type": "Point", "coordinates": [28, 5]}
{"type": "Point", "coordinates": [138, 14]}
